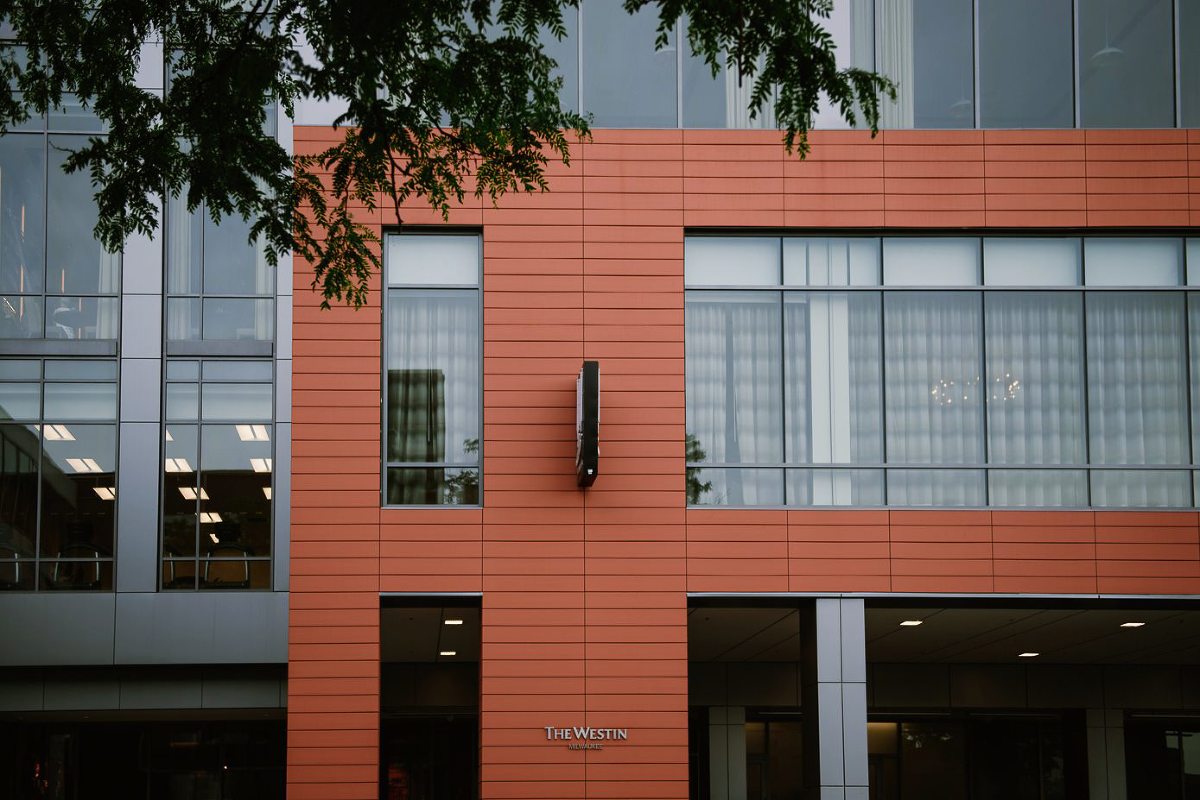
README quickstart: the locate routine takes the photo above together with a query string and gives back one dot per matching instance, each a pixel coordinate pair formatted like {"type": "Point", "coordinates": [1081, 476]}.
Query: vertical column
{"type": "Point", "coordinates": [1106, 753]}
{"type": "Point", "coordinates": [727, 752]}
{"type": "Point", "coordinates": [834, 699]}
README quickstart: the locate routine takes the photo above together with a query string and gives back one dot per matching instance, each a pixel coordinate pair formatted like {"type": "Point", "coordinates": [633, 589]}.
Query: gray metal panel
{"type": "Point", "coordinates": [142, 262]}
{"type": "Point", "coordinates": [148, 693]}
{"type": "Point", "coordinates": [58, 347]}
{"type": "Point", "coordinates": [240, 693]}
{"type": "Point", "coordinates": [139, 389]}
{"type": "Point", "coordinates": [854, 733]}
{"type": "Point", "coordinates": [215, 348]}
{"type": "Point", "coordinates": [854, 640]}
{"type": "Point", "coordinates": [141, 326]}
{"type": "Point", "coordinates": [76, 695]}
{"type": "Point", "coordinates": [829, 634]}
{"type": "Point", "coordinates": [987, 686]}
{"type": "Point", "coordinates": [283, 391]}
{"type": "Point", "coordinates": [829, 721]}
{"type": "Point", "coordinates": [283, 328]}
{"type": "Point", "coordinates": [202, 628]}
{"type": "Point", "coordinates": [49, 628]}
{"type": "Point", "coordinates": [137, 507]}
{"type": "Point", "coordinates": [282, 501]}
{"type": "Point", "coordinates": [22, 694]}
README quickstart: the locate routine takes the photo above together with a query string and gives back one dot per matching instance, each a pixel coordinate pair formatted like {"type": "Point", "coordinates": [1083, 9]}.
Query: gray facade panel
{"type": "Point", "coordinates": [80, 695]}
{"type": "Point", "coordinates": [150, 693]}
{"type": "Point", "coordinates": [150, 73]}
{"type": "Point", "coordinates": [240, 693]}
{"type": "Point", "coordinates": [202, 628]}
{"type": "Point", "coordinates": [283, 506]}
{"type": "Point", "coordinates": [56, 629]}
{"type": "Point", "coordinates": [137, 507]}
{"type": "Point", "coordinates": [141, 263]}
{"type": "Point", "coordinates": [141, 326]}
{"type": "Point", "coordinates": [140, 398]}
{"type": "Point", "coordinates": [21, 695]}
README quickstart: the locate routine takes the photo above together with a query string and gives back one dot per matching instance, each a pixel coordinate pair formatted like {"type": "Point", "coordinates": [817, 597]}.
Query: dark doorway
{"type": "Point", "coordinates": [431, 758]}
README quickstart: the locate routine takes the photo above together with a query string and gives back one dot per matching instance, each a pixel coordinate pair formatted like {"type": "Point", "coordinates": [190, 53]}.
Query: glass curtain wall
{"type": "Point", "coordinates": [58, 463]}
{"type": "Point", "coordinates": [218, 468]}
{"type": "Point", "coordinates": [950, 371]}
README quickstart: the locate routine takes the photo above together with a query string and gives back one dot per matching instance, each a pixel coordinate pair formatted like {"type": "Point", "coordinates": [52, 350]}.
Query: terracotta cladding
{"type": "Point", "coordinates": [584, 593]}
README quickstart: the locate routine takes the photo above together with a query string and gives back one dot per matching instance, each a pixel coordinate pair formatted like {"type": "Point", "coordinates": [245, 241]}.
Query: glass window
{"type": "Point", "coordinates": [219, 284]}
{"type": "Point", "coordinates": [633, 87]}
{"type": "Point", "coordinates": [218, 478]}
{"type": "Point", "coordinates": [59, 472]}
{"type": "Point", "coordinates": [1126, 63]}
{"type": "Point", "coordinates": [932, 363]}
{"type": "Point", "coordinates": [735, 487]}
{"type": "Point", "coordinates": [75, 262]}
{"type": "Point", "coordinates": [1132, 262]}
{"type": "Point", "coordinates": [432, 363]}
{"type": "Point", "coordinates": [931, 262]}
{"type": "Point", "coordinates": [1025, 74]}
{"type": "Point", "coordinates": [832, 378]}
{"type": "Point", "coordinates": [1193, 261]}
{"type": "Point", "coordinates": [1189, 63]}
{"type": "Point", "coordinates": [852, 26]}
{"type": "Point", "coordinates": [565, 52]}
{"type": "Point", "coordinates": [726, 261]}
{"type": "Point", "coordinates": [22, 214]}
{"type": "Point", "coordinates": [831, 262]}
{"type": "Point", "coordinates": [926, 47]}
{"type": "Point", "coordinates": [1137, 378]}
{"type": "Point", "coordinates": [1031, 262]}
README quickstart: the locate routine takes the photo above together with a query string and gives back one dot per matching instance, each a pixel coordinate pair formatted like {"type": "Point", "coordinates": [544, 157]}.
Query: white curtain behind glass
{"type": "Point", "coordinates": [1137, 392]}
{"type": "Point", "coordinates": [932, 367]}
{"type": "Point", "coordinates": [438, 331]}
{"type": "Point", "coordinates": [896, 61]}
{"type": "Point", "coordinates": [734, 383]}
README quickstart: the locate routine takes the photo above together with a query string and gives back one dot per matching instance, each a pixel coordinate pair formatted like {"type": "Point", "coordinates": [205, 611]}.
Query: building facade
{"type": "Point", "coordinates": [898, 460]}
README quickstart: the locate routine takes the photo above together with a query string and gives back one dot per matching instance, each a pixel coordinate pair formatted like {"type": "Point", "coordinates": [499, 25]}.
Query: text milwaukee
{"type": "Point", "coordinates": [589, 734]}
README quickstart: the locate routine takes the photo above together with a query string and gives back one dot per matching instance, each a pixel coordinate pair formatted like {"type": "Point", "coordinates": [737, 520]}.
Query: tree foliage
{"type": "Point", "coordinates": [442, 98]}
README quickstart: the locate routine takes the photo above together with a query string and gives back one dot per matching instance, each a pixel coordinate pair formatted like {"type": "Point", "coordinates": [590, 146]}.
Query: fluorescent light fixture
{"type": "Point", "coordinates": [1028, 655]}
{"type": "Point", "coordinates": [105, 492]}
{"type": "Point", "coordinates": [84, 465]}
{"type": "Point", "coordinates": [209, 517]}
{"type": "Point", "coordinates": [447, 652]}
{"type": "Point", "coordinates": [267, 492]}
{"type": "Point", "coordinates": [178, 465]}
{"type": "Point", "coordinates": [189, 493]}
{"type": "Point", "coordinates": [253, 433]}
{"type": "Point", "coordinates": [1132, 624]}
{"type": "Point", "coordinates": [453, 621]}
{"type": "Point", "coordinates": [911, 623]}
{"type": "Point", "coordinates": [170, 438]}
{"type": "Point", "coordinates": [57, 433]}
{"type": "Point", "coordinates": [261, 464]}
{"type": "Point", "coordinates": [214, 538]}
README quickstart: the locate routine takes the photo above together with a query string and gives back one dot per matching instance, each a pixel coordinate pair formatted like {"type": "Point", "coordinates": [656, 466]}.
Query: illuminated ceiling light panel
{"type": "Point", "coordinates": [170, 438]}
{"type": "Point", "coordinates": [1132, 624]}
{"type": "Point", "coordinates": [267, 492]}
{"type": "Point", "coordinates": [190, 494]}
{"type": "Point", "coordinates": [105, 492]}
{"type": "Point", "coordinates": [447, 652]}
{"type": "Point", "coordinates": [261, 464]}
{"type": "Point", "coordinates": [178, 465]}
{"type": "Point", "coordinates": [911, 623]}
{"type": "Point", "coordinates": [214, 538]}
{"type": "Point", "coordinates": [454, 622]}
{"type": "Point", "coordinates": [84, 465]}
{"type": "Point", "coordinates": [253, 433]}
{"type": "Point", "coordinates": [209, 517]}
{"type": "Point", "coordinates": [1028, 655]}
{"type": "Point", "coordinates": [57, 433]}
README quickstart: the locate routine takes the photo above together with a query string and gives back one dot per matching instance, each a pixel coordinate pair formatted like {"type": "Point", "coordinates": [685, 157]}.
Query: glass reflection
{"type": "Point", "coordinates": [22, 214]}
{"type": "Point", "coordinates": [82, 317]}
{"type": "Point", "coordinates": [234, 502]}
{"type": "Point", "coordinates": [439, 486]}
{"type": "Point", "coordinates": [19, 447]}
{"type": "Point", "coordinates": [75, 260]}
{"type": "Point", "coordinates": [1126, 69]}
{"type": "Point", "coordinates": [20, 400]}
{"type": "Point", "coordinates": [637, 89]}
{"type": "Point", "coordinates": [232, 264]}
{"type": "Point", "coordinates": [78, 502]}
{"type": "Point", "coordinates": [183, 319]}
{"type": "Point", "coordinates": [237, 318]}
{"type": "Point", "coordinates": [180, 501]}
{"type": "Point", "coordinates": [20, 317]}
{"type": "Point", "coordinates": [90, 401]}
{"type": "Point", "coordinates": [236, 401]}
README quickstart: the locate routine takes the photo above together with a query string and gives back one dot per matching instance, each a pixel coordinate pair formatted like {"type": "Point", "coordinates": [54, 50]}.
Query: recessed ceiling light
{"type": "Point", "coordinates": [105, 492]}
{"type": "Point", "coordinates": [911, 623]}
{"type": "Point", "coordinates": [1132, 624]}
{"type": "Point", "coordinates": [453, 622]}
{"type": "Point", "coordinates": [1028, 655]}
{"type": "Point", "coordinates": [448, 653]}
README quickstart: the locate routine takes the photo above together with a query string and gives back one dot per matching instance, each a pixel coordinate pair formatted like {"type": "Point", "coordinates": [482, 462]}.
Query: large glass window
{"type": "Point", "coordinates": [1023, 372]}
{"type": "Point", "coordinates": [218, 469]}
{"type": "Point", "coordinates": [1025, 74]}
{"type": "Point", "coordinates": [58, 463]}
{"type": "Point", "coordinates": [432, 369]}
{"type": "Point", "coordinates": [927, 48]}
{"type": "Point", "coordinates": [56, 281]}
{"type": "Point", "coordinates": [633, 86]}
{"type": "Point", "coordinates": [219, 284]}
{"type": "Point", "coordinates": [1126, 63]}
